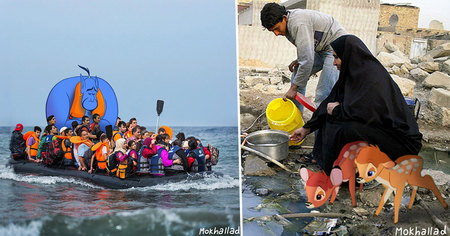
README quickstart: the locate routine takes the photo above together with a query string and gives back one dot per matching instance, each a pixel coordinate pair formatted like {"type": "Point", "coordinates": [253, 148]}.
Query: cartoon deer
{"type": "Point", "coordinates": [374, 164]}
{"type": "Point", "coordinates": [319, 187]}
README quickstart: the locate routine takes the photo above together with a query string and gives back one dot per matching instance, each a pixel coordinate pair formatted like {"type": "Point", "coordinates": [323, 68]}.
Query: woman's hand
{"type": "Point", "coordinates": [299, 134]}
{"type": "Point", "coordinates": [177, 161]}
{"type": "Point", "coordinates": [331, 106]}
{"type": "Point", "coordinates": [293, 65]}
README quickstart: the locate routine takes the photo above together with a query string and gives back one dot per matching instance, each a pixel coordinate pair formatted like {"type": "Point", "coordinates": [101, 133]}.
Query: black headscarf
{"type": "Point", "coordinates": [338, 45]}
{"type": "Point", "coordinates": [367, 94]}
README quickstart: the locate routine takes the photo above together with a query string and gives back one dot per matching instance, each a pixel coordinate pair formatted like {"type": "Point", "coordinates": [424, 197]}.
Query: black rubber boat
{"type": "Point", "coordinates": [102, 179]}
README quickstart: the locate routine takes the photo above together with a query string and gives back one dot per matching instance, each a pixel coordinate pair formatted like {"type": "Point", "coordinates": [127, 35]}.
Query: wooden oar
{"type": "Point", "coordinates": [159, 109]}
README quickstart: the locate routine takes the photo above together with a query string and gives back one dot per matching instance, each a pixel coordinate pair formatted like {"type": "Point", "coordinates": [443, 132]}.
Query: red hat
{"type": "Point", "coordinates": [19, 127]}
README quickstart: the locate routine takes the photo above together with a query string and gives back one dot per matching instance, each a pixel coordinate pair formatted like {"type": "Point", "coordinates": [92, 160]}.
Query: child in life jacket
{"type": "Point", "coordinates": [176, 152]}
{"type": "Point", "coordinates": [197, 153]}
{"type": "Point", "coordinates": [146, 152]}
{"type": "Point", "coordinates": [207, 155]}
{"type": "Point", "coordinates": [32, 142]}
{"type": "Point", "coordinates": [129, 133]}
{"type": "Point", "coordinates": [160, 160]}
{"type": "Point", "coordinates": [132, 153]}
{"type": "Point", "coordinates": [101, 154]}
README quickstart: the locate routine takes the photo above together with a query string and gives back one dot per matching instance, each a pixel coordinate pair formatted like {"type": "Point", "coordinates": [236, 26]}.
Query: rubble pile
{"type": "Point", "coordinates": [426, 78]}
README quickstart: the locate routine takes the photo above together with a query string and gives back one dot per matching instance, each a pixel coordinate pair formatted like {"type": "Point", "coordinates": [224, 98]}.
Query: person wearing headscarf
{"type": "Point", "coordinates": [119, 150]}
{"type": "Point", "coordinates": [149, 147]}
{"type": "Point", "coordinates": [364, 105]}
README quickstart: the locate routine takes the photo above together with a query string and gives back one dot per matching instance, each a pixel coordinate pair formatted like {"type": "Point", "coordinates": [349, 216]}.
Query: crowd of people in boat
{"type": "Point", "coordinates": [130, 150]}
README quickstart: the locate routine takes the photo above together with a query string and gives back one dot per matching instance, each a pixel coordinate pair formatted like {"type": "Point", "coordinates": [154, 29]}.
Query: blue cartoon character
{"type": "Point", "coordinates": [75, 97]}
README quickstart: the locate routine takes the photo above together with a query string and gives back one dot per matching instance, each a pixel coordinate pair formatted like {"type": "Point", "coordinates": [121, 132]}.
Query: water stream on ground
{"type": "Point", "coordinates": [281, 200]}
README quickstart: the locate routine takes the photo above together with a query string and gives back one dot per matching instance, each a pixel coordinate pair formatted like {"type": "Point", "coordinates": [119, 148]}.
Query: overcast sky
{"type": "Point", "coordinates": [430, 10]}
{"type": "Point", "coordinates": [183, 52]}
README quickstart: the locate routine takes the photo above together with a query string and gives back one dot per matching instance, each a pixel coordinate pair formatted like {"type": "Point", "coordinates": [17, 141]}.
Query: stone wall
{"type": "Point", "coordinates": [408, 16]}
{"type": "Point", "coordinates": [263, 45]}
{"type": "Point", "coordinates": [359, 17]}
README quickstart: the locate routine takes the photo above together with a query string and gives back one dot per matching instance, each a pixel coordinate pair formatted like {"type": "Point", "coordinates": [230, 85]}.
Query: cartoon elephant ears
{"type": "Point", "coordinates": [85, 69]}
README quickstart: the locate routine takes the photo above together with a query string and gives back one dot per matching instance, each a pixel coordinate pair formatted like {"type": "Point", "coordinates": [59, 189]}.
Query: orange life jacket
{"type": "Point", "coordinates": [77, 141]}
{"type": "Point", "coordinates": [34, 147]}
{"type": "Point", "coordinates": [101, 160]}
{"type": "Point", "coordinates": [67, 150]}
{"type": "Point", "coordinates": [127, 135]}
{"type": "Point", "coordinates": [77, 110]}
{"type": "Point", "coordinates": [116, 136]}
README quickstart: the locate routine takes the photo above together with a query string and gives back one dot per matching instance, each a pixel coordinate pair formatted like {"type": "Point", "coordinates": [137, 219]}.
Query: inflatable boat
{"type": "Point", "coordinates": [103, 179]}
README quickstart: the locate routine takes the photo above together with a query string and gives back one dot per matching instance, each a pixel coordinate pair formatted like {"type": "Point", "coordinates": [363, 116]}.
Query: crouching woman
{"type": "Point", "coordinates": [364, 105]}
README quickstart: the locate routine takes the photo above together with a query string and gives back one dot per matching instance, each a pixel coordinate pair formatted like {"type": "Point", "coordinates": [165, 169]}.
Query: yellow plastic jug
{"type": "Point", "coordinates": [284, 115]}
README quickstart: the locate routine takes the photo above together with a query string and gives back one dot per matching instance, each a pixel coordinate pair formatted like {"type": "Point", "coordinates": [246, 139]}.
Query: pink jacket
{"type": "Point", "coordinates": [165, 157]}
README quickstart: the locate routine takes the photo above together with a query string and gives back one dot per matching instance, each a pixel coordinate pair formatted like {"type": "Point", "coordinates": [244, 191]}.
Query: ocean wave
{"type": "Point", "coordinates": [209, 182]}
{"type": "Point", "coordinates": [184, 217]}
{"type": "Point", "coordinates": [8, 173]}
{"type": "Point", "coordinates": [30, 229]}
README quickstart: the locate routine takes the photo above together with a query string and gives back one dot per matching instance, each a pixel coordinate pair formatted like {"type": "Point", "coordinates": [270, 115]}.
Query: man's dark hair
{"type": "Point", "coordinates": [190, 137]}
{"type": "Point", "coordinates": [95, 116]}
{"type": "Point", "coordinates": [74, 124]}
{"type": "Point", "coordinates": [192, 144]}
{"type": "Point", "coordinates": [135, 129]}
{"type": "Point", "coordinates": [177, 142]}
{"type": "Point", "coordinates": [160, 139]}
{"type": "Point", "coordinates": [180, 136]}
{"type": "Point", "coordinates": [37, 128]}
{"type": "Point", "coordinates": [103, 137]}
{"type": "Point", "coordinates": [50, 118]}
{"type": "Point", "coordinates": [161, 130]}
{"type": "Point", "coordinates": [271, 14]}
{"type": "Point", "coordinates": [133, 119]}
{"type": "Point", "coordinates": [122, 123]}
{"type": "Point", "coordinates": [65, 132]}
{"type": "Point", "coordinates": [48, 128]}
{"type": "Point", "coordinates": [84, 118]}
{"type": "Point", "coordinates": [165, 136]}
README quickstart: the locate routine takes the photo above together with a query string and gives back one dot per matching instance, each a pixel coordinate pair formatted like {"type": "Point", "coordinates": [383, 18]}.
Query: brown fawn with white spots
{"type": "Point", "coordinates": [373, 164]}
{"type": "Point", "coordinates": [319, 186]}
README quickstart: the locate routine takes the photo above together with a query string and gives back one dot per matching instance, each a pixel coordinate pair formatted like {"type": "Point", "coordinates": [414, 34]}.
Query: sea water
{"type": "Point", "coordinates": [46, 205]}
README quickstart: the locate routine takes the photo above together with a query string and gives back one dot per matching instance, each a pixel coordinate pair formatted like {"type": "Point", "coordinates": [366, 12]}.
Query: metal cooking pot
{"type": "Point", "coordinates": [274, 143]}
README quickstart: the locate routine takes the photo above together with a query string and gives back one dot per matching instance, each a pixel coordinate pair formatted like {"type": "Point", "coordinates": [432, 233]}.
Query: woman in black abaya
{"type": "Point", "coordinates": [364, 105]}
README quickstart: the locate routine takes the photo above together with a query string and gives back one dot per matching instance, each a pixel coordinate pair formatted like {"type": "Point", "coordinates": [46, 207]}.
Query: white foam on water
{"type": "Point", "coordinates": [209, 182]}
{"type": "Point", "coordinates": [8, 173]}
{"type": "Point", "coordinates": [169, 218]}
{"type": "Point", "coordinates": [31, 229]}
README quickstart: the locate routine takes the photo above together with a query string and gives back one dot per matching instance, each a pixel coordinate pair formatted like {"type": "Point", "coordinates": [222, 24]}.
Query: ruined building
{"type": "Point", "coordinates": [398, 23]}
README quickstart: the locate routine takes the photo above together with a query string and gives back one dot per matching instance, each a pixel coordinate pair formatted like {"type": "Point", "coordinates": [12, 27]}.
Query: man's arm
{"type": "Point", "coordinates": [304, 41]}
